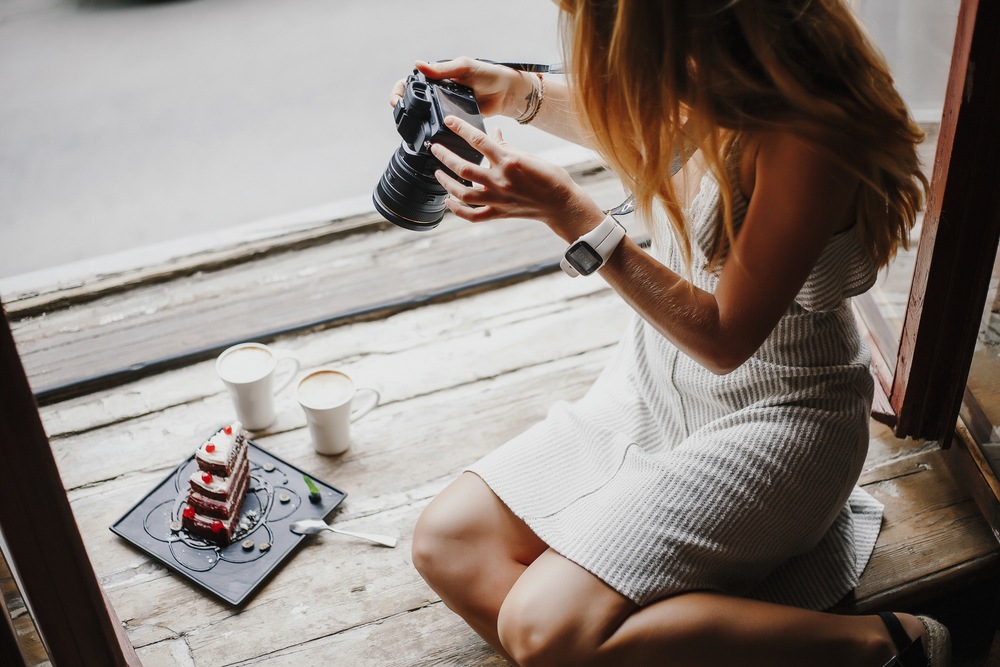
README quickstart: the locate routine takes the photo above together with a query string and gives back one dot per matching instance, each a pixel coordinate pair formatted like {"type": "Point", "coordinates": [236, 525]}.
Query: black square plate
{"type": "Point", "coordinates": [277, 496]}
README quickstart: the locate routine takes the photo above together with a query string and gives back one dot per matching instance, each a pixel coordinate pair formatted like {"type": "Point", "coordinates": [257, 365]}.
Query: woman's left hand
{"type": "Point", "coordinates": [513, 185]}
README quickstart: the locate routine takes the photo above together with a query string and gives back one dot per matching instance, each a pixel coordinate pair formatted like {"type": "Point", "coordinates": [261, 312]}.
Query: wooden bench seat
{"type": "Point", "coordinates": [459, 375]}
{"type": "Point", "coordinates": [934, 539]}
{"type": "Point", "coordinates": [458, 378]}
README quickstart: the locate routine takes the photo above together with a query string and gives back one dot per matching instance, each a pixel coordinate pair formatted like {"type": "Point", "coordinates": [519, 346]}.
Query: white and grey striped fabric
{"type": "Point", "coordinates": [667, 478]}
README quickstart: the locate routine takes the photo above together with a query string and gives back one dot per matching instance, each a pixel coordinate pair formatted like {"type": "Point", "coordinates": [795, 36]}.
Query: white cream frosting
{"type": "Point", "coordinates": [219, 484]}
{"type": "Point", "coordinates": [223, 443]}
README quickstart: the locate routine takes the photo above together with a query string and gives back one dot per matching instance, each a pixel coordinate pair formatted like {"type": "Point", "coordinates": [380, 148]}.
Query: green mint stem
{"type": "Point", "coordinates": [312, 485]}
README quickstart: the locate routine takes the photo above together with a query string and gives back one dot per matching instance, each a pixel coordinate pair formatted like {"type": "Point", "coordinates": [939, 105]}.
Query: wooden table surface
{"type": "Point", "coordinates": [458, 377]}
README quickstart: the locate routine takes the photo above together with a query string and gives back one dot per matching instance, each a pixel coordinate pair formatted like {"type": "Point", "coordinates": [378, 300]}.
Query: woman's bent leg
{"type": "Point", "coordinates": [557, 613]}
{"type": "Point", "coordinates": [470, 548]}
{"type": "Point", "coordinates": [538, 608]}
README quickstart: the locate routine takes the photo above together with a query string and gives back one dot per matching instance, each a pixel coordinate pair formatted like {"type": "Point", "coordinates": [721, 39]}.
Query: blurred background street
{"type": "Point", "coordinates": [129, 123]}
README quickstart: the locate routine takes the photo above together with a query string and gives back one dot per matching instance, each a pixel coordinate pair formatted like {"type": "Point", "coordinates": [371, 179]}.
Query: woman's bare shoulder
{"type": "Point", "coordinates": [792, 167]}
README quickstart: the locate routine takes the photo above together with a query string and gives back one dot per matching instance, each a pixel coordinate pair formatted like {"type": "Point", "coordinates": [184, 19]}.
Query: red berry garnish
{"type": "Point", "coordinates": [209, 447]}
{"type": "Point", "coordinates": [228, 430]}
{"type": "Point", "coordinates": [217, 526]}
{"type": "Point", "coordinates": [188, 512]}
{"type": "Point", "coordinates": [207, 478]}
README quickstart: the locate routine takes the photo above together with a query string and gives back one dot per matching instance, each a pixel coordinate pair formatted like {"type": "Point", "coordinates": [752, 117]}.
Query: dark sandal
{"type": "Point", "coordinates": [931, 650]}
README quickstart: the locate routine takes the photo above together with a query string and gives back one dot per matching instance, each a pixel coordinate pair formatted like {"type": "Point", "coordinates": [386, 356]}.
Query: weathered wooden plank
{"type": "Point", "coordinates": [146, 266]}
{"type": "Point", "coordinates": [337, 346]}
{"type": "Point", "coordinates": [933, 537]}
{"type": "Point", "coordinates": [123, 336]}
{"type": "Point", "coordinates": [428, 636]}
{"type": "Point", "coordinates": [106, 453]}
{"type": "Point", "coordinates": [331, 585]}
{"type": "Point", "coordinates": [394, 461]}
{"type": "Point", "coordinates": [931, 529]}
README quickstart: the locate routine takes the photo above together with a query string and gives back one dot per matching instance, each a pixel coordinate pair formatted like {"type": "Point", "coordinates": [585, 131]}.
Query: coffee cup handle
{"type": "Point", "coordinates": [367, 404]}
{"type": "Point", "coordinates": [285, 357]}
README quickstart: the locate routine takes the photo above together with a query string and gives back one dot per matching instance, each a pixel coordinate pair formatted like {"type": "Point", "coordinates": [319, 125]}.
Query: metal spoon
{"type": "Point", "coordinates": [311, 526]}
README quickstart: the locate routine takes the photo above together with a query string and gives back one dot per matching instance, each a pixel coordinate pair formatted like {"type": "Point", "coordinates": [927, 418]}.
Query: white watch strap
{"type": "Point", "coordinates": [611, 241]}
{"type": "Point", "coordinates": [603, 239]}
{"type": "Point", "coordinates": [568, 268]}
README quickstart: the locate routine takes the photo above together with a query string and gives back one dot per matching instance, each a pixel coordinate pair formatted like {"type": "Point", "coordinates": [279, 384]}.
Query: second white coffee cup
{"type": "Point", "coordinates": [327, 398]}
{"type": "Point", "coordinates": [248, 371]}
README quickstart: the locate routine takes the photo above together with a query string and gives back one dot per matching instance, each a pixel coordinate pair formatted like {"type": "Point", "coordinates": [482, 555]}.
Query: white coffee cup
{"type": "Point", "coordinates": [327, 396]}
{"type": "Point", "coordinates": [249, 371]}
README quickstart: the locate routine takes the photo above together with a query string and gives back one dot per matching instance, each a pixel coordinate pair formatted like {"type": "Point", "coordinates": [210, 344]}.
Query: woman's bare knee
{"type": "Point", "coordinates": [536, 639]}
{"type": "Point", "coordinates": [559, 614]}
{"type": "Point", "coordinates": [438, 537]}
{"type": "Point", "coordinates": [465, 529]}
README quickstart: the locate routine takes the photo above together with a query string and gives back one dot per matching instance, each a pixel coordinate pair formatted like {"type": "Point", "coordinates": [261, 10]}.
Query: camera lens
{"type": "Point", "coordinates": [408, 195]}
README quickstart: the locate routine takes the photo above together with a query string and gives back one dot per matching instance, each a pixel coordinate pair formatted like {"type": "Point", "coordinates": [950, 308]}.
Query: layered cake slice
{"type": "Point", "coordinates": [218, 486]}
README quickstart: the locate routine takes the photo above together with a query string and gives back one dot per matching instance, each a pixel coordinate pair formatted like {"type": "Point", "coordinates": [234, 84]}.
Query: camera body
{"type": "Point", "coordinates": [420, 115]}
{"type": "Point", "coordinates": [408, 195]}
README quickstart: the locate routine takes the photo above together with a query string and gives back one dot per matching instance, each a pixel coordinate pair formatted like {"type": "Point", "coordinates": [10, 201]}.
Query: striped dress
{"type": "Point", "coordinates": [667, 478]}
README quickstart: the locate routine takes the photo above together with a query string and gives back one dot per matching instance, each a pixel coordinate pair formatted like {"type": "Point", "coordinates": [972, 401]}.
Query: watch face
{"type": "Point", "coordinates": [583, 258]}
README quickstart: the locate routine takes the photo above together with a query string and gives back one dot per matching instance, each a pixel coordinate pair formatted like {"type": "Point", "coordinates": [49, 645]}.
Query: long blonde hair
{"type": "Point", "coordinates": [652, 75]}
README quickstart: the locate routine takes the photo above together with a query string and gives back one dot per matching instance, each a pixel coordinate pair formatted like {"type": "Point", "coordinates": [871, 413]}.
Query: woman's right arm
{"type": "Point", "coordinates": [502, 91]}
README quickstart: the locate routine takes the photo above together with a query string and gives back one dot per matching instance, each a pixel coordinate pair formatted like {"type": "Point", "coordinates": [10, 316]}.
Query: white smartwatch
{"type": "Point", "coordinates": [589, 252]}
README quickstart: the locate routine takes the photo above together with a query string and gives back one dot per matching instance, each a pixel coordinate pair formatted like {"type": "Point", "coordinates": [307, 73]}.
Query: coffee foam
{"type": "Point", "coordinates": [325, 389]}
{"type": "Point", "coordinates": [246, 364]}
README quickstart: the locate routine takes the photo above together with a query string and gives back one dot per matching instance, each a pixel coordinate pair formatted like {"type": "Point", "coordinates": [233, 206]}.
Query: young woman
{"type": "Point", "coordinates": [698, 506]}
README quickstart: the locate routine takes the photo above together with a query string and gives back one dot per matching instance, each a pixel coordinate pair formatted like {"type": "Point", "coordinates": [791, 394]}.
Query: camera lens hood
{"type": "Point", "coordinates": [406, 196]}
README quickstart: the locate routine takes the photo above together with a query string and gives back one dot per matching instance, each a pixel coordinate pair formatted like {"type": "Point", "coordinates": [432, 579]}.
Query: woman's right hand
{"type": "Point", "coordinates": [499, 90]}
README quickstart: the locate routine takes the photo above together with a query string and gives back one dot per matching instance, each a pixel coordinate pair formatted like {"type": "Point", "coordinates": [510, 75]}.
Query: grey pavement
{"type": "Point", "coordinates": [128, 123]}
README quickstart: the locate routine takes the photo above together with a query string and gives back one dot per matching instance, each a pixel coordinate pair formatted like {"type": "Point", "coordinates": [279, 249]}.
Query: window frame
{"type": "Point", "coordinates": [923, 394]}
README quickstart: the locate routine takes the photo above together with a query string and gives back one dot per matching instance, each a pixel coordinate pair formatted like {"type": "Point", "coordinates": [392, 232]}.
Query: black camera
{"type": "Point", "coordinates": [408, 195]}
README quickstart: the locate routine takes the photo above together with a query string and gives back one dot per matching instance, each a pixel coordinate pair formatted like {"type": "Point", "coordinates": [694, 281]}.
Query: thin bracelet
{"type": "Point", "coordinates": [531, 100]}
{"type": "Point", "coordinates": [534, 100]}
{"type": "Point", "coordinates": [539, 96]}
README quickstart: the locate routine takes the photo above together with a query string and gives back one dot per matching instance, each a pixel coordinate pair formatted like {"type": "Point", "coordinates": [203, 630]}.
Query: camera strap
{"type": "Point", "coordinates": [556, 68]}
{"type": "Point", "coordinates": [681, 156]}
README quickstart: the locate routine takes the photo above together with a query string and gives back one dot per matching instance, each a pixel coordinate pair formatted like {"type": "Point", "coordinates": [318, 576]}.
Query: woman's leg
{"type": "Point", "coordinates": [557, 613]}
{"type": "Point", "coordinates": [470, 548]}
{"type": "Point", "coordinates": [536, 607]}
